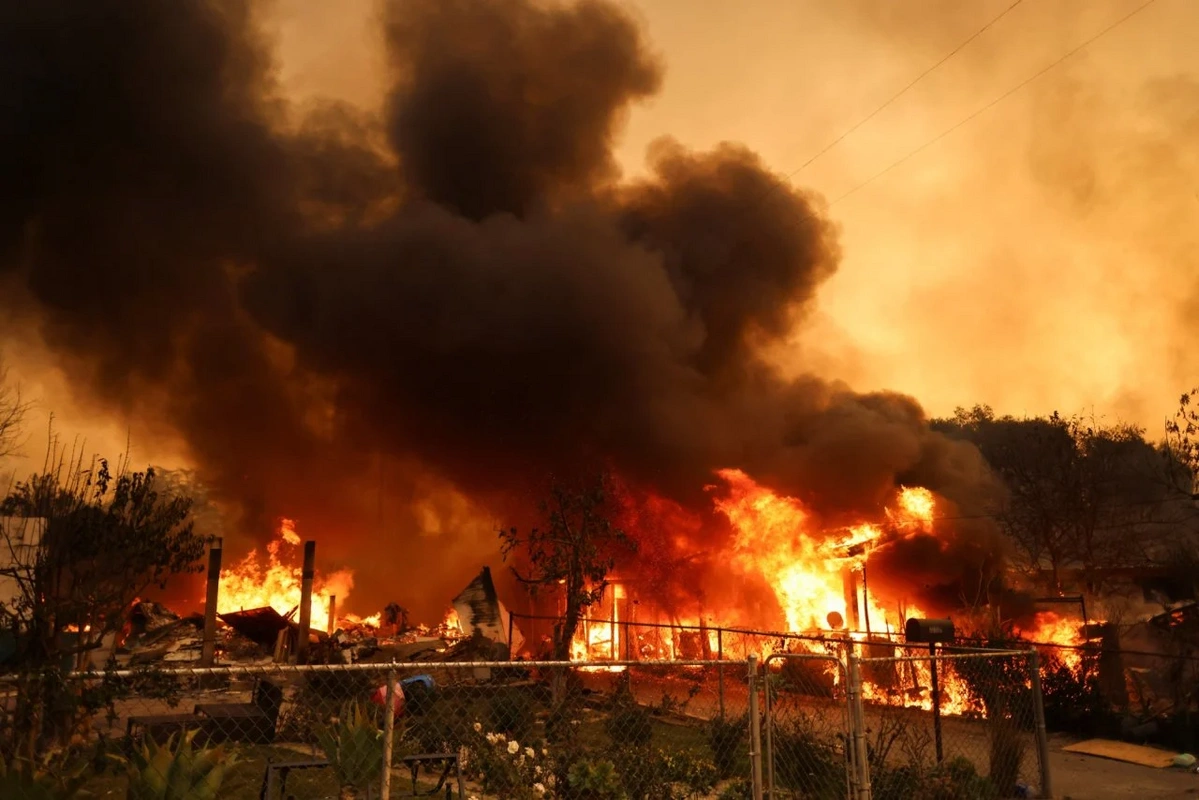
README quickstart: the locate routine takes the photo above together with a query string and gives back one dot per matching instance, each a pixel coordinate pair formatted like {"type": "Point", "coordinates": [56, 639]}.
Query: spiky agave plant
{"type": "Point", "coordinates": [21, 778]}
{"type": "Point", "coordinates": [354, 747]}
{"type": "Point", "coordinates": [182, 772]}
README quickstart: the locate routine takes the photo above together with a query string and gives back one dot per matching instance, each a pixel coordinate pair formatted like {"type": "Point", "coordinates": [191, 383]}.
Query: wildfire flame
{"type": "Point", "coordinates": [277, 583]}
{"type": "Point", "coordinates": [777, 540]}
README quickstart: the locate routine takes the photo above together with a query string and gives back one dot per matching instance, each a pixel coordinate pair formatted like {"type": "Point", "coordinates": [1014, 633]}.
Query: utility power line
{"type": "Point", "coordinates": [904, 90]}
{"type": "Point", "coordinates": [774, 186]}
{"type": "Point", "coordinates": [995, 102]}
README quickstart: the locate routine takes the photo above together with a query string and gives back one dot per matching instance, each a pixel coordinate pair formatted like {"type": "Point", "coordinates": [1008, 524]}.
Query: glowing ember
{"type": "Point", "coordinates": [252, 584]}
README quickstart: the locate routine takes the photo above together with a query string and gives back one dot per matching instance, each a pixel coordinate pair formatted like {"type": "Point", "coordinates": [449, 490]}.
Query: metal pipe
{"type": "Point", "coordinates": [306, 578]}
{"type": "Point", "coordinates": [1038, 710]}
{"type": "Point", "coordinates": [755, 730]}
{"type": "Point", "coordinates": [865, 601]}
{"type": "Point", "coordinates": [932, 671]}
{"type": "Point", "coordinates": [720, 668]}
{"type": "Point", "coordinates": [389, 724]}
{"type": "Point", "coordinates": [208, 647]}
{"type": "Point", "coordinates": [857, 715]}
{"type": "Point", "coordinates": [768, 787]}
{"type": "Point", "coordinates": [301, 669]}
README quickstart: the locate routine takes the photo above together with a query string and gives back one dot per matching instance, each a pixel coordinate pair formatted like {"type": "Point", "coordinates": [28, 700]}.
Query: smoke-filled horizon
{"type": "Point", "coordinates": [453, 297]}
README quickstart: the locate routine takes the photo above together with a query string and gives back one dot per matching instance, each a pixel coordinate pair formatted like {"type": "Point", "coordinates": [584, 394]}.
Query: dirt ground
{"type": "Point", "coordinates": [1079, 777]}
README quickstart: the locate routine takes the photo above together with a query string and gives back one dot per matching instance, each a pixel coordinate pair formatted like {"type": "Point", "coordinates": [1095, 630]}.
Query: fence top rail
{"type": "Point", "coordinates": [300, 669]}
{"type": "Point", "coordinates": [804, 657]}
{"type": "Point", "coordinates": [951, 656]}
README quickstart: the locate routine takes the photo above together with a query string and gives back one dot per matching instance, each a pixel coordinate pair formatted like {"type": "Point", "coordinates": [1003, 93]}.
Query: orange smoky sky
{"type": "Point", "coordinates": [1043, 256]}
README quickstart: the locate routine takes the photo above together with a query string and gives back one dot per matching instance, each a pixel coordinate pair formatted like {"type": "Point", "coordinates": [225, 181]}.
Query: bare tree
{"type": "Point", "coordinates": [12, 413]}
{"type": "Point", "coordinates": [1182, 442]}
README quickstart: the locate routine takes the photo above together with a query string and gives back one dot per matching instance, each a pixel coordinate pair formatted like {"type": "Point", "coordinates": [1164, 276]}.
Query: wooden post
{"type": "Point", "coordinates": [208, 648]}
{"type": "Point", "coordinates": [306, 578]}
{"type": "Point", "coordinates": [332, 627]}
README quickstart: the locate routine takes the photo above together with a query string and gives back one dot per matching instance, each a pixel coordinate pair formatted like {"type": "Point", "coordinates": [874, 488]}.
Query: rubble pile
{"type": "Point", "coordinates": [477, 628]}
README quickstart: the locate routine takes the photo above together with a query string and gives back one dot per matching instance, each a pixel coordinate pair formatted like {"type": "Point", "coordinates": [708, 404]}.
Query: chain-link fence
{"type": "Point", "coordinates": [807, 730]}
{"type": "Point", "coordinates": [484, 730]}
{"type": "Point", "coordinates": [954, 724]}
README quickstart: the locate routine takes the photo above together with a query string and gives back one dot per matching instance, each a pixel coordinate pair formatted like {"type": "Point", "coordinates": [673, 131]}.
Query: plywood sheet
{"type": "Point", "coordinates": [1123, 751]}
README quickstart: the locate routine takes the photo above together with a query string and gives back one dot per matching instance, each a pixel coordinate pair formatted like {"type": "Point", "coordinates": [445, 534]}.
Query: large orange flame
{"type": "Point", "coordinates": [253, 584]}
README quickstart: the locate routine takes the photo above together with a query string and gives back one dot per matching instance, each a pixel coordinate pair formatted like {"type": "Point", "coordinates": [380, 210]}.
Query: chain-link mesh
{"type": "Point", "coordinates": [982, 743]}
{"type": "Point", "coordinates": [806, 727]}
{"type": "Point", "coordinates": [501, 730]}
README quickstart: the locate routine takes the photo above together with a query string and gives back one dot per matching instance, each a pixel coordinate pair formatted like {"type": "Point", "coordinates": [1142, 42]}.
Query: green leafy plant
{"type": "Point", "coordinates": [629, 725]}
{"type": "Point", "coordinates": [728, 738]}
{"type": "Point", "coordinates": [506, 768]}
{"type": "Point", "coordinates": [511, 713]}
{"type": "Point", "coordinates": [23, 779]}
{"type": "Point", "coordinates": [354, 747]}
{"type": "Point", "coordinates": [805, 760]}
{"type": "Point", "coordinates": [177, 772]}
{"type": "Point", "coordinates": [691, 773]}
{"type": "Point", "coordinates": [594, 780]}
{"type": "Point", "coordinates": [739, 789]}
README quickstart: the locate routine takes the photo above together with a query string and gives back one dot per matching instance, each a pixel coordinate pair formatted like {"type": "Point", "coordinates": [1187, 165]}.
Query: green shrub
{"type": "Point", "coordinates": [354, 747]}
{"type": "Point", "coordinates": [21, 779]}
{"type": "Point", "coordinates": [1007, 754]}
{"type": "Point", "coordinates": [630, 726]}
{"type": "Point", "coordinates": [691, 771]}
{"type": "Point", "coordinates": [640, 773]}
{"type": "Point", "coordinates": [511, 712]}
{"type": "Point", "coordinates": [170, 772]}
{"type": "Point", "coordinates": [1074, 701]}
{"type": "Point", "coordinates": [594, 780]}
{"type": "Point", "coordinates": [728, 737]}
{"type": "Point", "coordinates": [740, 789]}
{"type": "Point", "coordinates": [804, 761]}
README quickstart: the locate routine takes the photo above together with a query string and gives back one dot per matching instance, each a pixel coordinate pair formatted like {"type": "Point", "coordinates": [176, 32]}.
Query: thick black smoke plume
{"type": "Point", "coordinates": [464, 285]}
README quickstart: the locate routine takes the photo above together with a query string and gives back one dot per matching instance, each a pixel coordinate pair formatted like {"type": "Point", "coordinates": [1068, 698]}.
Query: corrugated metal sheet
{"type": "Point", "coordinates": [479, 609]}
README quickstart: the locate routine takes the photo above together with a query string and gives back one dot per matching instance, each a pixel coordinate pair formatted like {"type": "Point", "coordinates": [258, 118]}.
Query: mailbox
{"type": "Point", "coordinates": [929, 631]}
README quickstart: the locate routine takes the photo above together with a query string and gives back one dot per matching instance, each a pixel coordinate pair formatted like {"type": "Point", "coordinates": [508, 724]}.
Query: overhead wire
{"type": "Point", "coordinates": [994, 102]}
{"type": "Point", "coordinates": [782, 181]}
{"type": "Point", "coordinates": [903, 91]}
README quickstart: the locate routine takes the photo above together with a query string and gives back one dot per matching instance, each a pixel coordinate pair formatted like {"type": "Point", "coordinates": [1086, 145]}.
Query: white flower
{"type": "Point", "coordinates": [537, 771]}
{"type": "Point", "coordinates": [539, 788]}
{"type": "Point", "coordinates": [576, 722]}
{"type": "Point", "coordinates": [478, 727]}
{"type": "Point", "coordinates": [513, 747]}
{"type": "Point", "coordinates": [530, 752]}
{"type": "Point", "coordinates": [545, 753]}
{"type": "Point", "coordinates": [492, 738]}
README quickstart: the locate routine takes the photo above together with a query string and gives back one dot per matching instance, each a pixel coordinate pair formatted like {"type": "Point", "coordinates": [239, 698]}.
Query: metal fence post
{"type": "Point", "coordinates": [857, 722]}
{"type": "Point", "coordinates": [768, 715]}
{"type": "Point", "coordinates": [1038, 710]}
{"type": "Point", "coordinates": [755, 730]}
{"type": "Point", "coordinates": [720, 668]}
{"type": "Point", "coordinates": [389, 724]}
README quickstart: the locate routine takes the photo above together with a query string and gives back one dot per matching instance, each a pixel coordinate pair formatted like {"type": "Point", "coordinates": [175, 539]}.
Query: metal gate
{"type": "Point", "coordinates": [809, 744]}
